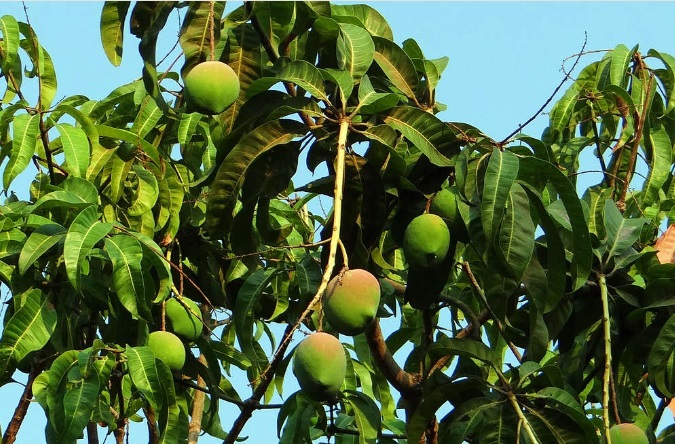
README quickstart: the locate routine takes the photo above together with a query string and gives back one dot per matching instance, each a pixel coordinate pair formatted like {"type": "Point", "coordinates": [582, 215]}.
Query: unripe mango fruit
{"type": "Point", "coordinates": [320, 366]}
{"type": "Point", "coordinates": [187, 324]}
{"type": "Point", "coordinates": [627, 433]}
{"type": "Point", "coordinates": [444, 204]}
{"type": "Point", "coordinates": [351, 301]}
{"type": "Point", "coordinates": [167, 347]}
{"type": "Point", "coordinates": [211, 87]}
{"type": "Point", "coordinates": [426, 241]}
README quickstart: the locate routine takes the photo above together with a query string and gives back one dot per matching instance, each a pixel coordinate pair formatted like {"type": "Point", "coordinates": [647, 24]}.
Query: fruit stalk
{"type": "Point", "coordinates": [266, 376]}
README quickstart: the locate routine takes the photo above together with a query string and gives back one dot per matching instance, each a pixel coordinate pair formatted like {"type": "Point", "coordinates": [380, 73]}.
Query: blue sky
{"type": "Point", "coordinates": [505, 61]}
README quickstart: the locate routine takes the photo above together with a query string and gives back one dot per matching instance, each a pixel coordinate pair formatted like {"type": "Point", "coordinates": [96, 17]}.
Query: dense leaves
{"type": "Point", "coordinates": [549, 320]}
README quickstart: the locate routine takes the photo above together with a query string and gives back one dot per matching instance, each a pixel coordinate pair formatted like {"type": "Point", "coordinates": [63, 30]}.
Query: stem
{"type": "Point", "coordinates": [92, 433]}
{"type": "Point", "coordinates": [151, 420]}
{"type": "Point", "coordinates": [197, 408]}
{"type": "Point", "coordinates": [212, 19]}
{"type": "Point", "coordinates": [266, 376]}
{"type": "Point", "coordinates": [404, 382]}
{"type": "Point", "coordinates": [608, 354]}
{"type": "Point", "coordinates": [21, 409]}
{"type": "Point", "coordinates": [521, 417]}
{"type": "Point", "coordinates": [48, 152]}
{"type": "Point", "coordinates": [474, 283]}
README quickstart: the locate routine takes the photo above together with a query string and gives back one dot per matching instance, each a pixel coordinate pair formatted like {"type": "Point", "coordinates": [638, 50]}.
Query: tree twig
{"type": "Point", "coordinates": [555, 91]}
{"type": "Point", "coordinates": [479, 291]}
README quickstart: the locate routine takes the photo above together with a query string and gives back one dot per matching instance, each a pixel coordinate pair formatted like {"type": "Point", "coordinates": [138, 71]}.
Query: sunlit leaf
{"type": "Point", "coordinates": [126, 256]}
{"type": "Point", "coordinates": [113, 16]}
{"type": "Point", "coordinates": [621, 58]}
{"type": "Point", "coordinates": [660, 150]}
{"type": "Point", "coordinates": [76, 148]}
{"type": "Point", "coordinates": [38, 243]}
{"type": "Point", "coordinates": [25, 130]}
{"type": "Point", "coordinates": [355, 50]}
{"type": "Point", "coordinates": [28, 329]}
{"type": "Point", "coordinates": [426, 131]}
{"type": "Point", "coordinates": [85, 232]}
{"type": "Point", "coordinates": [397, 66]}
{"type": "Point", "coordinates": [9, 44]}
{"type": "Point", "coordinates": [146, 193]}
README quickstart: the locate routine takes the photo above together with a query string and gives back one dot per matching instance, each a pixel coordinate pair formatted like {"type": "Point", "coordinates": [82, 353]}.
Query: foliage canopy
{"type": "Point", "coordinates": [549, 320]}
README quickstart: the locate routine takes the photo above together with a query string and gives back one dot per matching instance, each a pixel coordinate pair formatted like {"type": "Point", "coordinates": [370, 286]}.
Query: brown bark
{"type": "Point", "coordinates": [22, 408]}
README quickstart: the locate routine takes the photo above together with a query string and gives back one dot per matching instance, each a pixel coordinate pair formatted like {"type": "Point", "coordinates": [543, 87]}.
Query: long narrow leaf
{"type": "Point", "coordinates": [113, 16]}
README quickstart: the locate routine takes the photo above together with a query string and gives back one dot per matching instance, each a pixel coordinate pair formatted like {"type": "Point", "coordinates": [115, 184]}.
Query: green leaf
{"type": "Point", "coordinates": [366, 15]}
{"type": "Point", "coordinates": [516, 233]}
{"type": "Point", "coordinates": [78, 404]}
{"type": "Point", "coordinates": [618, 69]}
{"type": "Point", "coordinates": [38, 243]}
{"type": "Point", "coordinates": [276, 19]}
{"type": "Point", "coordinates": [25, 131]}
{"type": "Point", "coordinates": [302, 73]}
{"type": "Point", "coordinates": [29, 328]}
{"type": "Point", "coordinates": [535, 171]}
{"type": "Point", "coordinates": [565, 403]}
{"type": "Point", "coordinates": [247, 297]}
{"type": "Point", "coordinates": [659, 154]}
{"type": "Point", "coordinates": [355, 50]}
{"type": "Point", "coordinates": [669, 81]}
{"type": "Point", "coordinates": [146, 193]}
{"type": "Point", "coordinates": [621, 233]}
{"type": "Point", "coordinates": [397, 66]}
{"type": "Point", "coordinates": [426, 131]}
{"type": "Point", "coordinates": [86, 123]}
{"type": "Point", "coordinates": [133, 139]}
{"type": "Point", "coordinates": [126, 256]}
{"type": "Point", "coordinates": [170, 199]}
{"type": "Point", "coordinates": [464, 347]}
{"type": "Point", "coordinates": [556, 270]}
{"type": "Point", "coordinates": [372, 102]}
{"type": "Point", "coordinates": [42, 64]}
{"type": "Point", "coordinates": [195, 31]}
{"type": "Point", "coordinates": [113, 16]}
{"type": "Point", "coordinates": [145, 375]}
{"type": "Point", "coordinates": [85, 232]}
{"type": "Point", "coordinates": [366, 415]}
{"type": "Point", "coordinates": [561, 113]}
{"type": "Point", "coordinates": [241, 50]}
{"type": "Point", "coordinates": [187, 126]}
{"type": "Point", "coordinates": [500, 176]}
{"type": "Point", "coordinates": [231, 173]}
{"type": "Point", "coordinates": [147, 118]}
{"type": "Point", "coordinates": [76, 149]}
{"type": "Point", "coordinates": [9, 44]}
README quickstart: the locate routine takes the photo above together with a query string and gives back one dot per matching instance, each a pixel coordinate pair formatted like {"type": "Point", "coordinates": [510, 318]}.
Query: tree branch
{"type": "Point", "coordinates": [22, 408]}
{"type": "Point", "coordinates": [404, 382]}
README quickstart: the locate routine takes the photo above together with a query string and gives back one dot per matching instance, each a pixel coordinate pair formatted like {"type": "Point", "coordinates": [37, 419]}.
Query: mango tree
{"type": "Point", "coordinates": [528, 308]}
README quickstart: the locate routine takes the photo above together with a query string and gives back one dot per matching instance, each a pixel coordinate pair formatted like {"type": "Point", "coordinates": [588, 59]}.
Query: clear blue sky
{"type": "Point", "coordinates": [505, 61]}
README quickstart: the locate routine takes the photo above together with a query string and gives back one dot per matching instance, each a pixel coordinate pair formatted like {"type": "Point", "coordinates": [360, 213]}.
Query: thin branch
{"type": "Point", "coordinates": [479, 291]}
{"type": "Point", "coordinates": [267, 375]}
{"type": "Point", "coordinates": [608, 355]}
{"type": "Point", "coordinates": [555, 91]}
